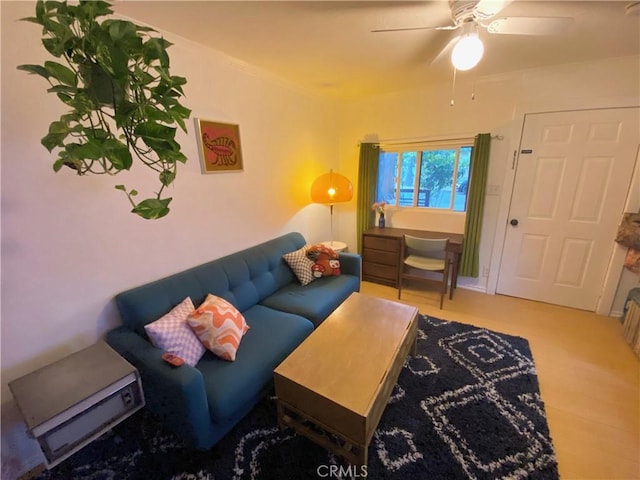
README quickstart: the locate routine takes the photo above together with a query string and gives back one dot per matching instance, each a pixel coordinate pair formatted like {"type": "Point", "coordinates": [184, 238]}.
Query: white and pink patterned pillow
{"type": "Point", "coordinates": [220, 326]}
{"type": "Point", "coordinates": [172, 334]}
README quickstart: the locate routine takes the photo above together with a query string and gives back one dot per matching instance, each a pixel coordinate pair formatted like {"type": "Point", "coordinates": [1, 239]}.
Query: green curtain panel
{"type": "Point", "coordinates": [469, 262]}
{"type": "Point", "coordinates": [367, 180]}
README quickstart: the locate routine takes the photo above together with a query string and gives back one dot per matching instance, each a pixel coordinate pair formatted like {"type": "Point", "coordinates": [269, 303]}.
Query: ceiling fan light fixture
{"type": "Point", "coordinates": [468, 52]}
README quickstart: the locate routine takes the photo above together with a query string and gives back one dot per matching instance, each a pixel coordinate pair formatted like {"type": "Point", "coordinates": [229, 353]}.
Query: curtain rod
{"type": "Point", "coordinates": [439, 140]}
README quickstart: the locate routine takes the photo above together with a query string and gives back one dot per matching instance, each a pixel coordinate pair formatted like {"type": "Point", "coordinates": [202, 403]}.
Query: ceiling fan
{"type": "Point", "coordinates": [470, 15]}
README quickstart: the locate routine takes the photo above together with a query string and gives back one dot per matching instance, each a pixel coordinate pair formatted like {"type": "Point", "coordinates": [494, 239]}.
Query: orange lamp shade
{"type": "Point", "coordinates": [331, 188]}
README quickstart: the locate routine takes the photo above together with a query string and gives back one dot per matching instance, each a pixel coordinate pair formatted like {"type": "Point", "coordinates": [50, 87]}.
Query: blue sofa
{"type": "Point", "coordinates": [202, 403]}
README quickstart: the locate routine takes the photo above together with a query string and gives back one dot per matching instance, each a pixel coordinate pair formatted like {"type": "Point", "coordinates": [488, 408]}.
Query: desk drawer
{"type": "Point", "coordinates": [381, 271]}
{"type": "Point", "coordinates": [380, 256]}
{"type": "Point", "coordinates": [379, 243]}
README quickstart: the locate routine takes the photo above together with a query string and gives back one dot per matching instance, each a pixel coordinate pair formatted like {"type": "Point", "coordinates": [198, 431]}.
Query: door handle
{"type": "Point", "coordinates": [514, 222]}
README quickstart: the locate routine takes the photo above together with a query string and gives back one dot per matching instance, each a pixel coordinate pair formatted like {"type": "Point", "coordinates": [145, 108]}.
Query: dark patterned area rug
{"type": "Point", "coordinates": [467, 406]}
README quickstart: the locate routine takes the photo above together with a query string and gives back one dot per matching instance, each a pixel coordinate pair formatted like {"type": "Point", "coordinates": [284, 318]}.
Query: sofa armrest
{"type": "Point", "coordinates": [176, 394]}
{"type": "Point", "coordinates": [350, 263]}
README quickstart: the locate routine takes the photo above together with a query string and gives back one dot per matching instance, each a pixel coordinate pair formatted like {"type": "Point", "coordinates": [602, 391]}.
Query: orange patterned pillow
{"type": "Point", "coordinates": [219, 326]}
{"type": "Point", "coordinates": [326, 261]}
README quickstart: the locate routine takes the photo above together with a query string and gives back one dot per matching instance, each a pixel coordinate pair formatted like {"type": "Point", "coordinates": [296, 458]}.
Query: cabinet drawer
{"type": "Point", "coordinates": [380, 256]}
{"type": "Point", "coordinates": [381, 281]}
{"type": "Point", "coordinates": [378, 243]}
{"type": "Point", "coordinates": [378, 270]}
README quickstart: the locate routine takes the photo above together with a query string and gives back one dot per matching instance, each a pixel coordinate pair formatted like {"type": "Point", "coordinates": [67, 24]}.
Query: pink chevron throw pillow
{"type": "Point", "coordinates": [219, 326]}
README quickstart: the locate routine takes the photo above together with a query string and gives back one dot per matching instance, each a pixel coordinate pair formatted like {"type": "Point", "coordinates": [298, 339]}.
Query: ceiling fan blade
{"type": "Point", "coordinates": [486, 9]}
{"type": "Point", "coordinates": [529, 25]}
{"type": "Point", "coordinates": [446, 27]}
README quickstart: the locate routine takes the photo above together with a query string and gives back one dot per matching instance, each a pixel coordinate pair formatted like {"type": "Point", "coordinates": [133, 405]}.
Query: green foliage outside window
{"type": "Point", "coordinates": [442, 182]}
{"type": "Point", "coordinates": [437, 169]}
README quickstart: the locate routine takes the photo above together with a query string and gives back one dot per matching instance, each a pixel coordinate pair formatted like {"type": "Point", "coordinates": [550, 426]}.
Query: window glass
{"type": "Point", "coordinates": [436, 175]}
{"type": "Point", "coordinates": [462, 180]}
{"type": "Point", "coordinates": [387, 177]}
{"type": "Point", "coordinates": [425, 178]}
{"type": "Point", "coordinates": [407, 178]}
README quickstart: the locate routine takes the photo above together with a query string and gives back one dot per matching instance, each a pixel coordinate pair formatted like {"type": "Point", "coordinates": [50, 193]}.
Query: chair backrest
{"type": "Point", "coordinates": [426, 247]}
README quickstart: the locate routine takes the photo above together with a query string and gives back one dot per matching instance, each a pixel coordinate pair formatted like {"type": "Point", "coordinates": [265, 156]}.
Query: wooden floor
{"type": "Point", "coordinates": [589, 377]}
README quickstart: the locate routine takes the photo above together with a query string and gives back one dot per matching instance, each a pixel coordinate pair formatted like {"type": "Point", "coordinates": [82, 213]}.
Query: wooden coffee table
{"type": "Point", "coordinates": [334, 387]}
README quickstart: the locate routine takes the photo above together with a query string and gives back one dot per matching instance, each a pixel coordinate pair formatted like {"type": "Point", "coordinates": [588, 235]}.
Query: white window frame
{"type": "Point", "coordinates": [420, 147]}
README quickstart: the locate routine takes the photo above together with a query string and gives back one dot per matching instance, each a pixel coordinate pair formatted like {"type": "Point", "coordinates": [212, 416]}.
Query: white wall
{"type": "Point", "coordinates": [69, 243]}
{"type": "Point", "coordinates": [499, 107]}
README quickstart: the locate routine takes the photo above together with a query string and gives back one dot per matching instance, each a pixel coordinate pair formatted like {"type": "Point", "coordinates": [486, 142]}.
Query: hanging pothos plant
{"type": "Point", "coordinates": [123, 101]}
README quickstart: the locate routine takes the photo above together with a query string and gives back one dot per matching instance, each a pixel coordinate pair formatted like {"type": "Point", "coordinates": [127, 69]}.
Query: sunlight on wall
{"type": "Point", "coordinates": [300, 180]}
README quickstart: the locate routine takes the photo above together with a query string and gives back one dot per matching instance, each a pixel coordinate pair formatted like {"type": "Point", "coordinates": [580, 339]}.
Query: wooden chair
{"type": "Point", "coordinates": [425, 259]}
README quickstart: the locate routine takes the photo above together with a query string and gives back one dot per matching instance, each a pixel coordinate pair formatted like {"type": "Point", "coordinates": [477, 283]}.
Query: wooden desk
{"type": "Point", "coordinates": [382, 247]}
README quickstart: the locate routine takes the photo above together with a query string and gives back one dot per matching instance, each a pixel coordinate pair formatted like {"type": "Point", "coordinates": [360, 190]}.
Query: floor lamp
{"type": "Point", "coordinates": [331, 188]}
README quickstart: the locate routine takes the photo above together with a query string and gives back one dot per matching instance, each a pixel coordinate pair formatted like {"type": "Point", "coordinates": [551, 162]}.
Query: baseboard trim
{"type": "Point", "coordinates": [475, 288]}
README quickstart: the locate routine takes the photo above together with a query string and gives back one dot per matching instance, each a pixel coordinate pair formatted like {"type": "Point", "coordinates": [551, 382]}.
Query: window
{"type": "Point", "coordinates": [428, 177]}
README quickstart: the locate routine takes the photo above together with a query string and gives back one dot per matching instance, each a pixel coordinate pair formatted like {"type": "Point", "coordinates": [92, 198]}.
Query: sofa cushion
{"type": "Point", "coordinates": [316, 300]}
{"type": "Point", "coordinates": [271, 337]}
{"type": "Point", "coordinates": [172, 333]}
{"type": "Point", "coordinates": [242, 278]}
{"type": "Point", "coordinates": [219, 326]}
{"type": "Point", "coordinates": [301, 265]}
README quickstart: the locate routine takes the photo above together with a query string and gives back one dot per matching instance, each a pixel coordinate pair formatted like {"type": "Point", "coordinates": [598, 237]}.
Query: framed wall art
{"type": "Point", "coordinates": [219, 145]}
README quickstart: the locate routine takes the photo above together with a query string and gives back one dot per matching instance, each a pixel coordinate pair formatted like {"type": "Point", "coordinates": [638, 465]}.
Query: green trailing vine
{"type": "Point", "coordinates": [123, 101]}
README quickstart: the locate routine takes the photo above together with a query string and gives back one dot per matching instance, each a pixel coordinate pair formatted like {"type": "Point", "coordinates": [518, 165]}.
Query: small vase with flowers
{"type": "Point", "coordinates": [379, 208]}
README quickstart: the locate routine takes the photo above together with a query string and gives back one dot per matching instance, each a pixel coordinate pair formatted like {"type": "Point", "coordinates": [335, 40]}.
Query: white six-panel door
{"type": "Point", "coordinates": [573, 174]}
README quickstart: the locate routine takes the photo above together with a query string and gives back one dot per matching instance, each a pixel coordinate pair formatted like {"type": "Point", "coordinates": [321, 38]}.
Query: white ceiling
{"type": "Point", "coordinates": [328, 46]}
